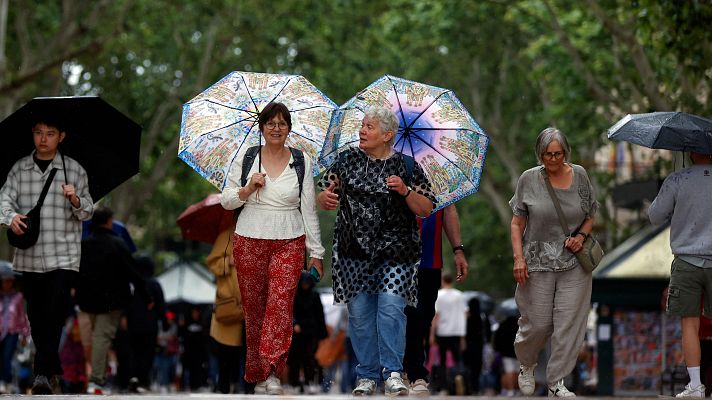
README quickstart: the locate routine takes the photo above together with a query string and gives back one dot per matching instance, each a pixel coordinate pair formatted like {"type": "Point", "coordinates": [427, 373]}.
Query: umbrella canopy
{"type": "Point", "coordinates": [203, 221]}
{"type": "Point", "coordinates": [435, 129]}
{"type": "Point", "coordinates": [223, 119]}
{"type": "Point", "coordinates": [187, 281]}
{"type": "Point", "coordinates": [486, 301]}
{"type": "Point", "coordinates": [103, 140]}
{"type": "Point", "coordinates": [676, 131]}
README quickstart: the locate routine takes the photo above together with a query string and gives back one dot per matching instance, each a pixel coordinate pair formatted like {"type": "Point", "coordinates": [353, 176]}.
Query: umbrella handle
{"type": "Point", "coordinates": [64, 168]}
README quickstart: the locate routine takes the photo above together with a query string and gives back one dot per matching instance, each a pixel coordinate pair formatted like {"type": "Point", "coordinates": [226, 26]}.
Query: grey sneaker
{"type": "Point", "coordinates": [559, 390]}
{"type": "Point", "coordinates": [41, 385]}
{"type": "Point", "coordinates": [692, 392]}
{"type": "Point", "coordinates": [365, 387]}
{"type": "Point", "coordinates": [261, 387]}
{"type": "Point", "coordinates": [420, 388]}
{"type": "Point", "coordinates": [526, 380]}
{"type": "Point", "coordinates": [394, 385]}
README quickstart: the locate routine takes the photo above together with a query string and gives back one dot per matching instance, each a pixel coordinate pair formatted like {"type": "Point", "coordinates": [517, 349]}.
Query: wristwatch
{"type": "Point", "coordinates": [457, 248]}
{"type": "Point", "coordinates": [408, 192]}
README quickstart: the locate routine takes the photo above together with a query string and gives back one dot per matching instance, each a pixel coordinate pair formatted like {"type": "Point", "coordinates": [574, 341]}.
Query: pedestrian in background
{"type": "Point", "coordinates": [106, 273]}
{"type": "Point", "coordinates": [553, 290]}
{"type": "Point", "coordinates": [49, 267]}
{"type": "Point", "coordinates": [449, 325]}
{"type": "Point", "coordinates": [419, 318]}
{"type": "Point", "coordinates": [14, 326]}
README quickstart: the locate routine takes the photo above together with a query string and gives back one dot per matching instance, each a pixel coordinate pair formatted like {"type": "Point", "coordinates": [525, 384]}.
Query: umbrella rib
{"type": "Point", "coordinates": [309, 108]}
{"type": "Point", "coordinates": [426, 109]}
{"type": "Point", "coordinates": [230, 107]}
{"type": "Point", "coordinates": [226, 126]}
{"type": "Point", "coordinates": [306, 138]}
{"type": "Point", "coordinates": [400, 106]}
{"type": "Point", "coordinates": [248, 92]}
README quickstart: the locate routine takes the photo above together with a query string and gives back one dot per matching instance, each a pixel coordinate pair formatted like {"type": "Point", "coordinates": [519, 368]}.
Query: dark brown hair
{"type": "Point", "coordinates": [271, 111]}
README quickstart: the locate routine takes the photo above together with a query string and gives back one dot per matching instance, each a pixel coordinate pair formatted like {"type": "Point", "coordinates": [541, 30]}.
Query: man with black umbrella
{"type": "Point", "coordinates": [684, 202]}
{"type": "Point", "coordinates": [50, 265]}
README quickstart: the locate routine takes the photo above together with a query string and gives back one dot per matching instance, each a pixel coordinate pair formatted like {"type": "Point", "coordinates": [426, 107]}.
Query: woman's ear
{"type": "Point", "coordinates": [388, 136]}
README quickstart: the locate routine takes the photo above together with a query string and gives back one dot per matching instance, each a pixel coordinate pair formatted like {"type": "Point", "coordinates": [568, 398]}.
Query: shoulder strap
{"type": "Point", "coordinates": [45, 189]}
{"type": "Point", "coordinates": [299, 167]}
{"type": "Point", "coordinates": [409, 166]}
{"type": "Point", "coordinates": [247, 162]}
{"type": "Point", "coordinates": [557, 205]}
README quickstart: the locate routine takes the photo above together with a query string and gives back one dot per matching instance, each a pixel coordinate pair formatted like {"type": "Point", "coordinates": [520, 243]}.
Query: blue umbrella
{"type": "Point", "coordinates": [675, 131]}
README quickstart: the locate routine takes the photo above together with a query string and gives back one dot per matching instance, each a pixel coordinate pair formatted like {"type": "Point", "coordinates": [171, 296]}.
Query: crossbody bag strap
{"type": "Point", "coordinates": [557, 205]}
{"type": "Point", "coordinates": [45, 189]}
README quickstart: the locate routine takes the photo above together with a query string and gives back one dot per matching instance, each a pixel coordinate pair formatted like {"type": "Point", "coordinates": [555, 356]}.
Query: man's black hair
{"type": "Point", "coordinates": [101, 216]}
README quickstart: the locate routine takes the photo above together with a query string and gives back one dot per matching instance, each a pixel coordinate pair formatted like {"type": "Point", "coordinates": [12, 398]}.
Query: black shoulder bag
{"type": "Point", "coordinates": [32, 232]}
{"type": "Point", "coordinates": [591, 253]}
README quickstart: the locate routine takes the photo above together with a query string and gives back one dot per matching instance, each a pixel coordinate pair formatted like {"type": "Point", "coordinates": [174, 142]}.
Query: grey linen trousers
{"type": "Point", "coordinates": [556, 305]}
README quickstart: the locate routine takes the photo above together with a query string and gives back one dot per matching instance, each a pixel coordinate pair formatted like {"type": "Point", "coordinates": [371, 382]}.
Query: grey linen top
{"type": "Point", "coordinates": [685, 200]}
{"type": "Point", "coordinates": [543, 242]}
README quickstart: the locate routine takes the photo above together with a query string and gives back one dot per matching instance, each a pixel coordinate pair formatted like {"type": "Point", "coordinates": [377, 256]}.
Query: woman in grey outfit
{"type": "Point", "coordinates": [553, 291]}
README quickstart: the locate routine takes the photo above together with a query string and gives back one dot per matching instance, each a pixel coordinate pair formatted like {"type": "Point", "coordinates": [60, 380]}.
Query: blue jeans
{"type": "Point", "coordinates": [7, 351]}
{"type": "Point", "coordinates": [377, 332]}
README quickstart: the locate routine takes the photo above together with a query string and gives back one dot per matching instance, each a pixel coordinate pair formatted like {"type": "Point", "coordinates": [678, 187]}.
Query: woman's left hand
{"type": "Point", "coordinates": [318, 264]}
{"type": "Point", "coordinates": [396, 184]}
{"type": "Point", "coordinates": [574, 243]}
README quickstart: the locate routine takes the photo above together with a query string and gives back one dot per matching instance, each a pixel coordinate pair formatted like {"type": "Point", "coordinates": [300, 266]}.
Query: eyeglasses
{"type": "Point", "coordinates": [553, 156]}
{"type": "Point", "coordinates": [279, 125]}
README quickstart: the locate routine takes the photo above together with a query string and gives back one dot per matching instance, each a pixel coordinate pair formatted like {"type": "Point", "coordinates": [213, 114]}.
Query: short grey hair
{"type": "Point", "coordinates": [386, 119]}
{"type": "Point", "coordinates": [545, 138]}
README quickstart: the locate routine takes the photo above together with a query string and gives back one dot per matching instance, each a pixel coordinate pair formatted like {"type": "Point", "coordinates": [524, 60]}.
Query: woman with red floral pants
{"type": "Point", "coordinates": [278, 221]}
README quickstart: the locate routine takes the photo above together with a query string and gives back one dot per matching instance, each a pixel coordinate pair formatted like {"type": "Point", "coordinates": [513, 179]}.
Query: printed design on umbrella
{"type": "Point", "coordinates": [434, 128]}
{"type": "Point", "coordinates": [223, 119]}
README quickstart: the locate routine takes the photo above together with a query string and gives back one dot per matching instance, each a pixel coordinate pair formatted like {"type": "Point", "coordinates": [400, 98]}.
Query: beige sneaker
{"type": "Point", "coordinates": [261, 387]}
{"type": "Point", "coordinates": [692, 392]}
{"type": "Point", "coordinates": [420, 388]}
{"type": "Point", "coordinates": [526, 380]}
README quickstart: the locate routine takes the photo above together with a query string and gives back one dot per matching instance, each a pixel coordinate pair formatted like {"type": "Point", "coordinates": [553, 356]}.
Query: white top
{"type": "Point", "coordinates": [452, 313]}
{"type": "Point", "coordinates": [276, 215]}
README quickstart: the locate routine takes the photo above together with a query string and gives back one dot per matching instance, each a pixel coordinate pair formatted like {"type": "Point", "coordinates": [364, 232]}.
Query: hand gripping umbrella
{"type": "Point", "coordinates": [104, 141]}
{"type": "Point", "coordinates": [665, 130]}
{"type": "Point", "coordinates": [435, 129]}
{"type": "Point", "coordinates": [223, 119]}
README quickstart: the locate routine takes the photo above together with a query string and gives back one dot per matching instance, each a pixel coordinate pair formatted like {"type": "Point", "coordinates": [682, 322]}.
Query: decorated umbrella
{"type": "Point", "coordinates": [205, 220]}
{"type": "Point", "coordinates": [435, 129]}
{"type": "Point", "coordinates": [676, 131]}
{"type": "Point", "coordinates": [223, 119]}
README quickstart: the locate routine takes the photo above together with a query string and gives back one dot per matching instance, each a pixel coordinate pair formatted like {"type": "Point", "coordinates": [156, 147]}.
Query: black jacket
{"type": "Point", "coordinates": [105, 271]}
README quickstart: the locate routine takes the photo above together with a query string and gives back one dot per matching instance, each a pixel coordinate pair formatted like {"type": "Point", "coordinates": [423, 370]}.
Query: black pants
{"type": "Point", "coordinates": [48, 305]}
{"type": "Point", "coordinates": [230, 360]}
{"type": "Point", "coordinates": [706, 364]}
{"type": "Point", "coordinates": [419, 319]}
{"type": "Point", "coordinates": [301, 357]}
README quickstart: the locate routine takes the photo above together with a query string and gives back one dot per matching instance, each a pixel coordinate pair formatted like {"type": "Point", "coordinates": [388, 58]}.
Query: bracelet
{"type": "Point", "coordinates": [585, 235]}
{"type": "Point", "coordinates": [457, 248]}
{"type": "Point", "coordinates": [407, 193]}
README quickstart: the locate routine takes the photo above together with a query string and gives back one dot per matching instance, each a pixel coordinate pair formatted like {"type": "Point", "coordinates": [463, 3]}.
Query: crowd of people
{"type": "Point", "coordinates": [386, 271]}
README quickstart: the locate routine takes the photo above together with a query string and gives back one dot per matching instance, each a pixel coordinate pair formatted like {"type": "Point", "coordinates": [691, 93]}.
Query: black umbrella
{"type": "Point", "coordinates": [676, 131]}
{"type": "Point", "coordinates": [506, 308]}
{"type": "Point", "coordinates": [102, 139]}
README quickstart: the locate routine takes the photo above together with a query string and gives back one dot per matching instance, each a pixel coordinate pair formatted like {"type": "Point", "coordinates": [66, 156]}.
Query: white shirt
{"type": "Point", "coordinates": [276, 215]}
{"type": "Point", "coordinates": [452, 313]}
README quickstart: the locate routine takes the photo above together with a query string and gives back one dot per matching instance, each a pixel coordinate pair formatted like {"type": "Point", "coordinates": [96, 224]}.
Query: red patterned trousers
{"type": "Point", "coordinates": [268, 273]}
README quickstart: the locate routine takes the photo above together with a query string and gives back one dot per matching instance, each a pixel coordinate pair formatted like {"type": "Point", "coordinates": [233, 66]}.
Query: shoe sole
{"type": "Point", "coordinates": [402, 392]}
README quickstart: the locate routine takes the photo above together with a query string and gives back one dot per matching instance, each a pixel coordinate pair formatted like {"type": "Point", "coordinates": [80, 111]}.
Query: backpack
{"type": "Point", "coordinates": [249, 159]}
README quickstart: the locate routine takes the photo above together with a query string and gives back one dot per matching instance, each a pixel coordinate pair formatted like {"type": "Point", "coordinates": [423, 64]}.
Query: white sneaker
{"type": "Point", "coordinates": [273, 385]}
{"type": "Point", "coordinates": [420, 388]}
{"type": "Point", "coordinates": [394, 385]}
{"type": "Point", "coordinates": [692, 392]}
{"type": "Point", "coordinates": [365, 387]}
{"type": "Point", "coordinates": [526, 380]}
{"type": "Point", "coordinates": [559, 390]}
{"type": "Point", "coordinates": [93, 388]}
{"type": "Point", "coordinates": [261, 387]}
